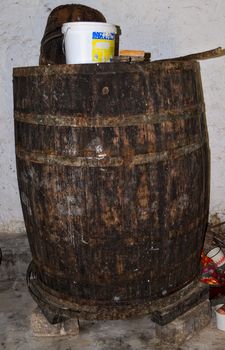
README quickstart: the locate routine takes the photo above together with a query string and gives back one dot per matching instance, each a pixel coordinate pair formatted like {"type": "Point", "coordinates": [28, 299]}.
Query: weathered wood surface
{"type": "Point", "coordinates": [113, 171]}
{"type": "Point", "coordinates": [51, 45]}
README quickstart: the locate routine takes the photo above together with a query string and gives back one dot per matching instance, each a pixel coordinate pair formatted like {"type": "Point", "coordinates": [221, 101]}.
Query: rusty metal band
{"type": "Point", "coordinates": [103, 160]}
{"type": "Point", "coordinates": [78, 121]}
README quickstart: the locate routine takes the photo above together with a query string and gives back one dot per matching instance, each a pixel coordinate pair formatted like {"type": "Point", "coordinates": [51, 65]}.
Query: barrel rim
{"type": "Point", "coordinates": [113, 67]}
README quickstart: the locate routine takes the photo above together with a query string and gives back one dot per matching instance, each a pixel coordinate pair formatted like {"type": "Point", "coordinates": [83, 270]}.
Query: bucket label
{"type": "Point", "coordinates": [103, 46]}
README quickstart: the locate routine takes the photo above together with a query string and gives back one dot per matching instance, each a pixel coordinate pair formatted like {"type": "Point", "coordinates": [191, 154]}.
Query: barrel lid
{"type": "Point", "coordinates": [104, 68]}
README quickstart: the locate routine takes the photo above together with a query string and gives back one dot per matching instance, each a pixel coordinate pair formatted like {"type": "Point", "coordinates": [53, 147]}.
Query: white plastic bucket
{"type": "Point", "coordinates": [217, 255]}
{"type": "Point", "coordinates": [88, 42]}
{"type": "Point", "coordinates": [220, 319]}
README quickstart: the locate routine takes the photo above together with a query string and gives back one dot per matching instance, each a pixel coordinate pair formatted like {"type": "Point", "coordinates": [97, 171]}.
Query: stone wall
{"type": "Point", "coordinates": [165, 28]}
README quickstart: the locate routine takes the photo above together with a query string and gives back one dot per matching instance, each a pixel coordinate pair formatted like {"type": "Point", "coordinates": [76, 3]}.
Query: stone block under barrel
{"type": "Point", "coordinates": [113, 172]}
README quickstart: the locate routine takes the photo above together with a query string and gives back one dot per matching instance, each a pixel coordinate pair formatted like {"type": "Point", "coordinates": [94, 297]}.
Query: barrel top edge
{"type": "Point", "coordinates": [104, 68]}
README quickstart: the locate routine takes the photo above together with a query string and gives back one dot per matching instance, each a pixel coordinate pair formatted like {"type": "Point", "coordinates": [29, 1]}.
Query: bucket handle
{"type": "Point", "coordinates": [63, 42]}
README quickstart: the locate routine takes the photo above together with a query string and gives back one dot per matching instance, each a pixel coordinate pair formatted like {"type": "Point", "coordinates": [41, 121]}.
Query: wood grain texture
{"type": "Point", "coordinates": [116, 208]}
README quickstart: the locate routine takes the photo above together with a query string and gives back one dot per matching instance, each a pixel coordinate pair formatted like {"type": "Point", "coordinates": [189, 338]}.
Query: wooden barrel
{"type": "Point", "coordinates": [113, 171]}
{"type": "Point", "coordinates": [51, 45]}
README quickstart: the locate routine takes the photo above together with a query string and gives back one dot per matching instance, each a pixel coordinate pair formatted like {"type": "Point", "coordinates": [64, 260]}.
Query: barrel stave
{"type": "Point", "coordinates": [114, 179]}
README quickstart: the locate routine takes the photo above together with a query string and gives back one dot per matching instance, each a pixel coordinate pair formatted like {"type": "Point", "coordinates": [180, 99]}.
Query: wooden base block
{"type": "Point", "coordinates": [185, 326]}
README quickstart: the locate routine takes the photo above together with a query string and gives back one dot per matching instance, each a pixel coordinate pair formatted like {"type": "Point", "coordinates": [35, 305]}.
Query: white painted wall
{"type": "Point", "coordinates": [167, 28]}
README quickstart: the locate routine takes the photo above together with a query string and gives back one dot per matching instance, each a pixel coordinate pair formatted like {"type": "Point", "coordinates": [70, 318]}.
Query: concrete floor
{"type": "Point", "coordinates": [16, 307]}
